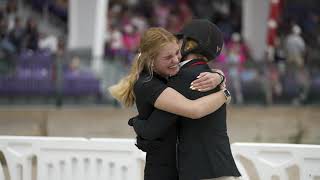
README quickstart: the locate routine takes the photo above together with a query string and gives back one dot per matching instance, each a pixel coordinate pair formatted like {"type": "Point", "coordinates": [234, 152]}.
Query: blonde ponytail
{"type": "Point", "coordinates": [123, 90]}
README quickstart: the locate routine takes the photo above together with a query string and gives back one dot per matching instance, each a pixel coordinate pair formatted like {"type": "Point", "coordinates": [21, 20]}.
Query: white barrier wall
{"type": "Point", "coordinates": [277, 161]}
{"type": "Point", "coordinates": [47, 158]}
{"type": "Point", "coordinates": [71, 158]}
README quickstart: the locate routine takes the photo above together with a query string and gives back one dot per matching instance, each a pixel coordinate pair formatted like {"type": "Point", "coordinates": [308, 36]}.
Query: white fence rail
{"type": "Point", "coordinates": [277, 161]}
{"type": "Point", "coordinates": [48, 158]}
{"type": "Point", "coordinates": [69, 159]}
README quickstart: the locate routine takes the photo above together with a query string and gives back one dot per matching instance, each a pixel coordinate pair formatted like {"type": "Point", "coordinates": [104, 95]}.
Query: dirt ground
{"type": "Point", "coordinates": [281, 124]}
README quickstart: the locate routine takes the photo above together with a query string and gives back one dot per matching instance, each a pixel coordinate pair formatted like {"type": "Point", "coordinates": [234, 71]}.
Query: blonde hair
{"type": "Point", "coordinates": [151, 42]}
{"type": "Point", "coordinates": [191, 44]}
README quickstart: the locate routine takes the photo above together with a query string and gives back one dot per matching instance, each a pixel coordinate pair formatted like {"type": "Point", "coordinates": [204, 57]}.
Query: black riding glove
{"type": "Point", "coordinates": [148, 145]}
{"type": "Point", "coordinates": [132, 120]}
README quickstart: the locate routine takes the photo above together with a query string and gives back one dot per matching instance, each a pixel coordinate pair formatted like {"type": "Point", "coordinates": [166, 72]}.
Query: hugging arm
{"type": "Point", "coordinates": [172, 101]}
{"type": "Point", "coordinates": [155, 126]}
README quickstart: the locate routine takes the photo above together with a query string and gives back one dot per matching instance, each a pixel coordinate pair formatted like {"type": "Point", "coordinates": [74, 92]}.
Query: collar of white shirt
{"type": "Point", "coordinates": [184, 62]}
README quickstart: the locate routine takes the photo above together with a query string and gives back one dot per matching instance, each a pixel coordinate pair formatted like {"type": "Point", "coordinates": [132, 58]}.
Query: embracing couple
{"type": "Point", "coordinates": [181, 103]}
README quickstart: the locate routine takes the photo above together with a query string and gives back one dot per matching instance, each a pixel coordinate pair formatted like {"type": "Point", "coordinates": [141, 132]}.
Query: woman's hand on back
{"type": "Point", "coordinates": [207, 81]}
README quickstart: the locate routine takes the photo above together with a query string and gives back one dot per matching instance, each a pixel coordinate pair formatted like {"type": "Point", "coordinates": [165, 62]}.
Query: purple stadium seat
{"type": "Point", "coordinates": [34, 77]}
{"type": "Point", "coordinates": [80, 83]}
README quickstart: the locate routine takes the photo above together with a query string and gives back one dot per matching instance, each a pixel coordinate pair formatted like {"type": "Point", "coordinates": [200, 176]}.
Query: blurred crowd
{"type": "Point", "coordinates": [127, 19]}
{"type": "Point", "coordinates": [18, 34]}
{"type": "Point", "coordinates": [289, 72]}
{"type": "Point", "coordinates": [35, 63]}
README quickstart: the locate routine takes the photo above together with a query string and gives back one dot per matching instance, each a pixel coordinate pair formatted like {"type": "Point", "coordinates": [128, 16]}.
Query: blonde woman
{"type": "Point", "coordinates": [145, 86]}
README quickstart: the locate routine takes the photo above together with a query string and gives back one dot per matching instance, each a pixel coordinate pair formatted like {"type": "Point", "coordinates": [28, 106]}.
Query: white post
{"type": "Point", "coordinates": [81, 24]}
{"type": "Point", "coordinates": [99, 35]}
{"type": "Point", "coordinates": [254, 30]}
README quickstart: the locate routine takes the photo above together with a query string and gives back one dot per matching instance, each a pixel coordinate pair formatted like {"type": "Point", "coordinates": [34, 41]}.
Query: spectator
{"type": "Point", "coordinates": [11, 13]}
{"type": "Point", "coordinates": [6, 49]}
{"type": "Point", "coordinates": [5, 44]}
{"type": "Point", "coordinates": [1, 14]}
{"type": "Point", "coordinates": [115, 41]}
{"type": "Point", "coordinates": [185, 13]}
{"type": "Point", "coordinates": [31, 34]}
{"type": "Point", "coordinates": [130, 37]}
{"type": "Point", "coordinates": [114, 14]}
{"type": "Point", "coordinates": [238, 46]}
{"type": "Point", "coordinates": [173, 24]}
{"type": "Point", "coordinates": [295, 47]}
{"type": "Point", "coordinates": [16, 35]}
{"type": "Point", "coordinates": [235, 59]}
{"type": "Point", "coordinates": [310, 26]}
{"type": "Point", "coordinates": [125, 16]}
{"type": "Point", "coordinates": [226, 27]}
{"type": "Point", "coordinates": [75, 65]}
{"type": "Point", "coordinates": [131, 40]}
{"type": "Point", "coordinates": [3, 63]}
{"type": "Point", "coordinates": [279, 56]}
{"type": "Point", "coordinates": [3, 28]}
{"type": "Point", "coordinates": [295, 51]}
{"type": "Point", "coordinates": [49, 42]}
{"type": "Point", "coordinates": [140, 22]}
{"type": "Point", "coordinates": [161, 12]}
{"type": "Point", "coordinates": [202, 8]}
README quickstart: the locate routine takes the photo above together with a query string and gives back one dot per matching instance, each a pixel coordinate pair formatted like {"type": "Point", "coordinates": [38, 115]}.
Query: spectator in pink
{"type": "Point", "coordinates": [130, 39]}
{"type": "Point", "coordinates": [235, 58]}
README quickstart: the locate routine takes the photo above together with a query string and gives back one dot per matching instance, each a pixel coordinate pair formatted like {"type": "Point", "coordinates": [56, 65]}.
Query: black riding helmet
{"type": "Point", "coordinates": [206, 34]}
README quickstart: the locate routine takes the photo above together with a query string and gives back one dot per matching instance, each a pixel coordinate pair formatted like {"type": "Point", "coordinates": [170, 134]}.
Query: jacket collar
{"type": "Point", "coordinates": [192, 62]}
